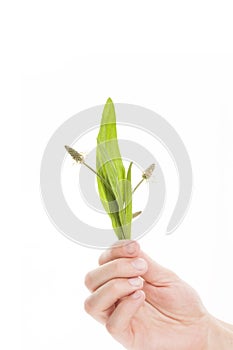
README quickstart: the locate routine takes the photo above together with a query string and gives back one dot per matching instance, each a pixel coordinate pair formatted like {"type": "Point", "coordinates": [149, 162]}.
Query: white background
{"type": "Point", "coordinates": [172, 57]}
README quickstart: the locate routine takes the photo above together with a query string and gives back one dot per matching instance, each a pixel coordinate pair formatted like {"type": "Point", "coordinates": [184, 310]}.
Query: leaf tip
{"type": "Point", "coordinates": [109, 100]}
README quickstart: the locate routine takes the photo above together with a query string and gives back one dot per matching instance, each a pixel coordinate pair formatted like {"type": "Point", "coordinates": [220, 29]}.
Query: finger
{"type": "Point", "coordinates": [122, 248]}
{"type": "Point", "coordinates": [99, 302]}
{"type": "Point", "coordinates": [118, 324]}
{"type": "Point", "coordinates": [123, 267]}
{"type": "Point", "coordinates": [157, 274]}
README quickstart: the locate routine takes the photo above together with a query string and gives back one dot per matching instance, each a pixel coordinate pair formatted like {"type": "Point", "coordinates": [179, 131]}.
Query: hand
{"type": "Point", "coordinates": [157, 310]}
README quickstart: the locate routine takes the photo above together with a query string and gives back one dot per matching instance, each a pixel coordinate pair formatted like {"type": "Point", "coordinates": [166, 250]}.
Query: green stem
{"type": "Point", "coordinates": [138, 185]}
{"type": "Point", "coordinates": [102, 179]}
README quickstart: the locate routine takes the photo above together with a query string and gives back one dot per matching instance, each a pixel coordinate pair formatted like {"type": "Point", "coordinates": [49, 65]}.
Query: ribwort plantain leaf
{"type": "Point", "coordinates": [126, 214]}
{"type": "Point", "coordinates": [115, 189]}
{"type": "Point", "coordinates": [110, 167]}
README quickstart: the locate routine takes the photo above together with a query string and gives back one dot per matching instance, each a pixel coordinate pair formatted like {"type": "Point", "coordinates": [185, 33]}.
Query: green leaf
{"type": "Point", "coordinates": [126, 214]}
{"type": "Point", "coordinates": [110, 167]}
{"type": "Point", "coordinates": [108, 153]}
{"type": "Point", "coordinates": [111, 207]}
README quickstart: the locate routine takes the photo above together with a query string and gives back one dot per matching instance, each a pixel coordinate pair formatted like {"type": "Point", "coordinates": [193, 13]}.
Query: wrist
{"type": "Point", "coordinates": [219, 335]}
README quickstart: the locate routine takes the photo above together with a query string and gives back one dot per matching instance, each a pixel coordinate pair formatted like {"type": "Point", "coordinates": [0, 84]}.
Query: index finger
{"type": "Point", "coordinates": [122, 248]}
{"type": "Point", "coordinates": [156, 274]}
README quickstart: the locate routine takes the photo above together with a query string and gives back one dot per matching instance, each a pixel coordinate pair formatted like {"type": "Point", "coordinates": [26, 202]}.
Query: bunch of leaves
{"type": "Point", "coordinates": [114, 184]}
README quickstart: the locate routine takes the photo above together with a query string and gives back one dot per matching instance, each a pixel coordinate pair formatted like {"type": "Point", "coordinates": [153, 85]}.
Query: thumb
{"type": "Point", "coordinates": [157, 274]}
{"type": "Point", "coordinates": [119, 321]}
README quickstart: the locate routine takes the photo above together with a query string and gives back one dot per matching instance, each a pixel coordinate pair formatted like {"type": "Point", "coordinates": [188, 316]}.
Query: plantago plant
{"type": "Point", "coordinates": [114, 181]}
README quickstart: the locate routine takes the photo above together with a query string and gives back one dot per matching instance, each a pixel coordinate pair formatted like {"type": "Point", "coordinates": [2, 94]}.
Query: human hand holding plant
{"type": "Point", "coordinates": [148, 307]}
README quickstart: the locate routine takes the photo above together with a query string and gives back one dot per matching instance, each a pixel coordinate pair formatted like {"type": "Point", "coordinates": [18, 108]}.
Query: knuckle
{"type": "Point", "coordinates": [102, 258]}
{"type": "Point", "coordinates": [120, 245]}
{"type": "Point", "coordinates": [116, 266]}
{"type": "Point", "coordinates": [87, 306]}
{"type": "Point", "coordinates": [116, 250]}
{"type": "Point", "coordinates": [121, 267]}
{"type": "Point", "coordinates": [115, 286]}
{"type": "Point", "coordinates": [111, 328]}
{"type": "Point", "coordinates": [88, 280]}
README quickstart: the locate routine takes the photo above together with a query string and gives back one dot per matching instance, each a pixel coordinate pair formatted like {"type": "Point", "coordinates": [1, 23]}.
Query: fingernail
{"type": "Point", "coordinates": [139, 264]}
{"type": "Point", "coordinates": [131, 248]}
{"type": "Point", "coordinates": [137, 294]}
{"type": "Point", "coordinates": [136, 282]}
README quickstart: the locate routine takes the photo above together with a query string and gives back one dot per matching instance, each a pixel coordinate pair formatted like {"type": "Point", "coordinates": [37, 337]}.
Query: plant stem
{"type": "Point", "coordinates": [138, 185]}
{"type": "Point", "coordinates": [78, 157]}
{"type": "Point", "coordinates": [146, 175]}
{"type": "Point", "coordinates": [102, 179]}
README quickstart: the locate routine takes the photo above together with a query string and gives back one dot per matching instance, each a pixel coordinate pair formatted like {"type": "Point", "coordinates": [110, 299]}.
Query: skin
{"type": "Point", "coordinates": [161, 312]}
